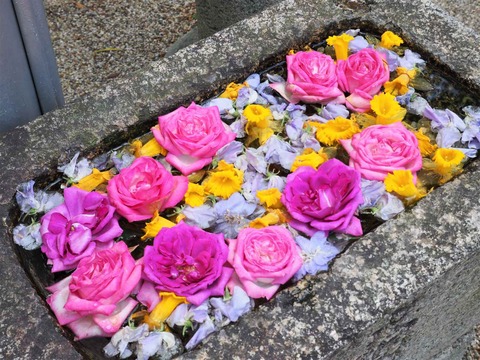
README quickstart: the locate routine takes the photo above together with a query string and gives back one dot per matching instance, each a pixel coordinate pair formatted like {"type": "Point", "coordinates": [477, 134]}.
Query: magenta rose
{"type": "Point", "coordinates": [311, 78]}
{"type": "Point", "coordinates": [94, 300]}
{"type": "Point", "coordinates": [189, 262]}
{"type": "Point", "coordinates": [362, 75]}
{"type": "Point", "coordinates": [75, 229]}
{"type": "Point", "coordinates": [263, 260]}
{"type": "Point", "coordinates": [325, 199]}
{"type": "Point", "coordinates": [381, 149]}
{"type": "Point", "coordinates": [192, 136]}
{"type": "Point", "coordinates": [145, 187]}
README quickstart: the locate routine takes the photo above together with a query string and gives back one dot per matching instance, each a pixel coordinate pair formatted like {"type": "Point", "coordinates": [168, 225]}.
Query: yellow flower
{"type": "Point", "coordinates": [398, 86]}
{"type": "Point", "coordinates": [338, 129]}
{"type": "Point", "coordinates": [309, 158]}
{"type": "Point", "coordinates": [270, 198]}
{"type": "Point", "coordinates": [340, 44]}
{"type": "Point", "coordinates": [270, 218]}
{"type": "Point", "coordinates": [404, 71]}
{"type": "Point", "coordinates": [92, 181]}
{"type": "Point", "coordinates": [447, 160]}
{"type": "Point", "coordinates": [387, 109]}
{"type": "Point", "coordinates": [224, 180]}
{"type": "Point", "coordinates": [389, 40]}
{"type": "Point", "coordinates": [164, 308]}
{"type": "Point", "coordinates": [258, 123]}
{"type": "Point", "coordinates": [195, 195]}
{"type": "Point", "coordinates": [150, 148]}
{"type": "Point", "coordinates": [152, 228]}
{"type": "Point", "coordinates": [401, 182]}
{"type": "Point", "coordinates": [426, 148]}
{"type": "Point", "coordinates": [231, 92]}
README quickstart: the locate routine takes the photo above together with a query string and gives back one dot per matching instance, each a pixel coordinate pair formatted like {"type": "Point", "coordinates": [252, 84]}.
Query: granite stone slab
{"type": "Point", "coordinates": [407, 263]}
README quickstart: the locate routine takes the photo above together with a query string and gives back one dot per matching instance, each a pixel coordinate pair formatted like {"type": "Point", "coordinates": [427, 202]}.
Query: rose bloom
{"type": "Point", "coordinates": [75, 229]}
{"type": "Point", "coordinates": [362, 75]}
{"type": "Point", "coordinates": [325, 199]}
{"type": "Point", "coordinates": [94, 300]}
{"type": "Point", "coordinates": [145, 187]}
{"type": "Point", "coordinates": [192, 136]}
{"type": "Point", "coordinates": [311, 78]}
{"type": "Point", "coordinates": [381, 149]}
{"type": "Point", "coordinates": [263, 260]}
{"type": "Point", "coordinates": [189, 262]}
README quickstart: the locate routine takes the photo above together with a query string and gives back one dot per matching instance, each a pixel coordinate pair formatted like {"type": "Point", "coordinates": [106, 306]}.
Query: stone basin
{"type": "Point", "coordinates": [408, 290]}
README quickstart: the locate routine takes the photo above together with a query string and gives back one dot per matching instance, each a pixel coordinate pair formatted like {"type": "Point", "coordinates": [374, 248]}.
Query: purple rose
{"type": "Point", "coordinates": [325, 199]}
{"type": "Point", "coordinates": [189, 262]}
{"type": "Point", "coordinates": [73, 230]}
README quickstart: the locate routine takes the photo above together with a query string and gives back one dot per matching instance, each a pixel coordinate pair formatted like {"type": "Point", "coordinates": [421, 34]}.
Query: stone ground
{"type": "Point", "coordinates": [97, 41]}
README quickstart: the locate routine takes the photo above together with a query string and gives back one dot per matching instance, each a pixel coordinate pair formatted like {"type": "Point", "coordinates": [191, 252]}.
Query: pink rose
{"type": "Point", "coordinates": [94, 300]}
{"type": "Point", "coordinates": [85, 222]}
{"type": "Point", "coordinates": [144, 187]}
{"type": "Point", "coordinates": [311, 78]}
{"type": "Point", "coordinates": [192, 136]}
{"type": "Point", "coordinates": [263, 260]}
{"type": "Point", "coordinates": [381, 149]}
{"type": "Point", "coordinates": [362, 75]}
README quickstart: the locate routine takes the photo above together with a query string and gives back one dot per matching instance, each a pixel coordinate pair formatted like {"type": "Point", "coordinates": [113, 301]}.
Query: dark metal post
{"type": "Point", "coordinates": [29, 81]}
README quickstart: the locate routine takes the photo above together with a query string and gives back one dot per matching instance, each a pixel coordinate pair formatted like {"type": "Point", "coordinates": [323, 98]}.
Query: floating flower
{"type": "Point", "coordinates": [362, 75]}
{"type": "Point", "coordinates": [233, 214]}
{"type": "Point", "coordinates": [447, 160]}
{"type": "Point", "coordinates": [401, 183]}
{"type": "Point", "coordinates": [263, 260]}
{"type": "Point", "coordinates": [189, 262]}
{"type": "Point", "coordinates": [224, 180]}
{"type": "Point", "coordinates": [387, 109]}
{"type": "Point", "coordinates": [381, 149]}
{"type": "Point", "coordinates": [155, 225]}
{"type": "Point", "coordinates": [258, 123]}
{"type": "Point", "coordinates": [85, 222]}
{"type": "Point", "coordinates": [192, 136]}
{"type": "Point", "coordinates": [231, 91]}
{"type": "Point", "coordinates": [270, 198]}
{"type": "Point", "coordinates": [27, 236]}
{"type": "Point", "coordinates": [390, 39]}
{"type": "Point", "coordinates": [239, 304]}
{"type": "Point", "coordinates": [325, 199]}
{"type": "Point", "coordinates": [34, 202]}
{"type": "Point", "coordinates": [331, 132]}
{"type": "Point", "coordinates": [424, 144]}
{"type": "Point", "coordinates": [94, 180]}
{"type": "Point", "coordinates": [76, 170]}
{"type": "Point", "coordinates": [195, 195]}
{"type": "Point", "coordinates": [340, 44]}
{"type": "Point", "coordinates": [157, 317]}
{"type": "Point", "coordinates": [94, 300]}
{"type": "Point", "coordinates": [317, 252]}
{"type": "Point", "coordinates": [311, 158]}
{"type": "Point", "coordinates": [150, 148]}
{"type": "Point", "coordinates": [271, 218]}
{"type": "Point", "coordinates": [145, 187]}
{"type": "Point", "coordinates": [311, 78]}
{"type": "Point", "coordinates": [399, 85]}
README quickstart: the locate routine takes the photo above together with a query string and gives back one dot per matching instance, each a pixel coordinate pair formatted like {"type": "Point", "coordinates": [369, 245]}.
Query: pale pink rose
{"type": "Point", "coordinates": [311, 78]}
{"type": "Point", "coordinates": [362, 75]}
{"type": "Point", "coordinates": [192, 136]}
{"type": "Point", "coordinates": [263, 259]}
{"type": "Point", "coordinates": [145, 187]}
{"type": "Point", "coordinates": [94, 300]}
{"type": "Point", "coordinates": [381, 149]}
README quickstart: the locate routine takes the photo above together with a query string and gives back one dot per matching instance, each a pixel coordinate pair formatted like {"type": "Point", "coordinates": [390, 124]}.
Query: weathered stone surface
{"type": "Point", "coordinates": [383, 271]}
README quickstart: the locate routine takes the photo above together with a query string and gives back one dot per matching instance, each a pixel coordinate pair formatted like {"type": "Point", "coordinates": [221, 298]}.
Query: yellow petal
{"type": "Point", "coordinates": [155, 225]}
{"type": "Point", "coordinates": [389, 40]}
{"type": "Point", "coordinates": [387, 109]}
{"type": "Point", "coordinates": [401, 182]}
{"type": "Point", "coordinates": [195, 195]}
{"type": "Point", "coordinates": [150, 148]}
{"type": "Point", "coordinates": [309, 157]}
{"type": "Point", "coordinates": [162, 311]}
{"type": "Point", "coordinates": [270, 198]}
{"type": "Point", "coordinates": [264, 221]}
{"type": "Point", "coordinates": [92, 181]}
{"type": "Point", "coordinates": [231, 91]}
{"type": "Point", "coordinates": [334, 130]}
